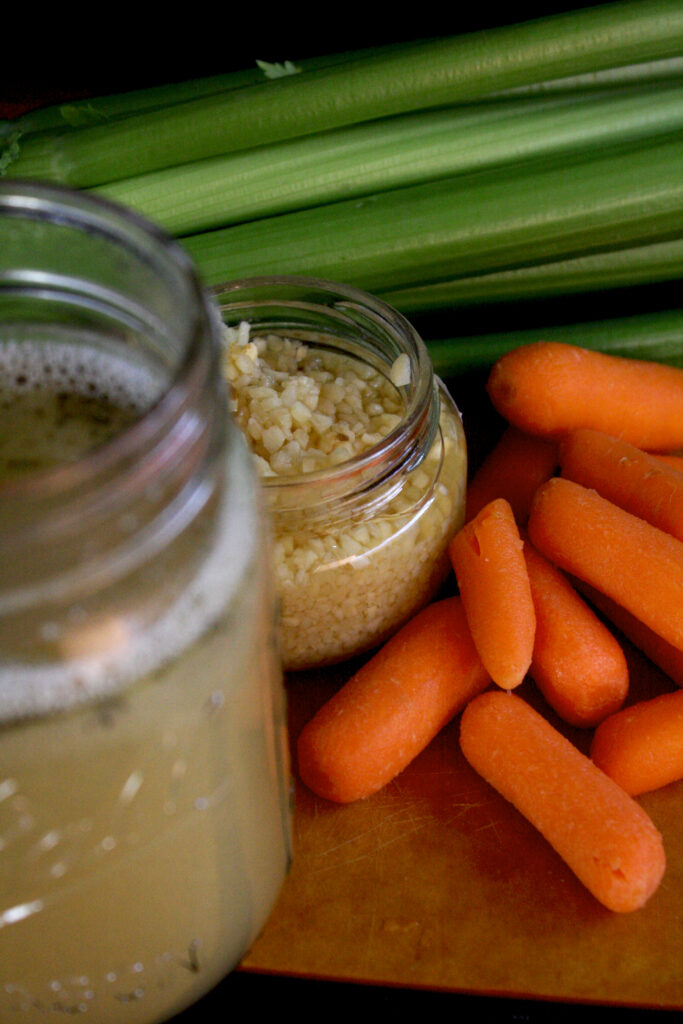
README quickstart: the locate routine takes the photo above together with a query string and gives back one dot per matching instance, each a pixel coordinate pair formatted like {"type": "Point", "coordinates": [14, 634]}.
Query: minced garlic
{"type": "Point", "coordinates": [343, 586]}
{"type": "Point", "coordinates": [305, 409]}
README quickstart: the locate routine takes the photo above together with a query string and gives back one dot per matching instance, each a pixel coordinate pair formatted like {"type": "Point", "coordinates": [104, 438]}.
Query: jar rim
{"type": "Point", "coordinates": [61, 204]}
{"type": "Point", "coordinates": [404, 446]}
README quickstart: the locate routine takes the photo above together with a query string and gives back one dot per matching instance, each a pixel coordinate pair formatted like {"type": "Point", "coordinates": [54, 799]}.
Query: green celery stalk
{"type": "Point", "coordinates": [642, 73]}
{"type": "Point", "coordinates": [463, 225]}
{"type": "Point", "coordinates": [656, 336]}
{"type": "Point", "coordinates": [393, 153]}
{"type": "Point", "coordinates": [427, 74]}
{"type": "Point", "coordinates": [98, 109]}
{"type": "Point", "coordinates": [619, 268]}
{"type": "Point", "coordinates": [79, 113]}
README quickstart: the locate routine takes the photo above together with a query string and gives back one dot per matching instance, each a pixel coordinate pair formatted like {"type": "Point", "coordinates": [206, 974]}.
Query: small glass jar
{"type": "Point", "coordinates": [144, 780]}
{"type": "Point", "coordinates": [360, 545]}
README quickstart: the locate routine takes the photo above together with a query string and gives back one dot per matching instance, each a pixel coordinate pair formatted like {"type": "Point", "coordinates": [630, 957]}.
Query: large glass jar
{"type": "Point", "coordinates": [361, 541]}
{"type": "Point", "coordinates": [144, 786]}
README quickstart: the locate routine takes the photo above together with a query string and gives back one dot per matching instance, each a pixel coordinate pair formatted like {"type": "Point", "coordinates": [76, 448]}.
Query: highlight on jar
{"type": "Point", "coordinates": [145, 792]}
{"type": "Point", "coordinates": [361, 453]}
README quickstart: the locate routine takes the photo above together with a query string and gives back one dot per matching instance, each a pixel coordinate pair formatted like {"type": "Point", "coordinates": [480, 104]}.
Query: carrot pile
{"type": "Point", "coordinates": [574, 525]}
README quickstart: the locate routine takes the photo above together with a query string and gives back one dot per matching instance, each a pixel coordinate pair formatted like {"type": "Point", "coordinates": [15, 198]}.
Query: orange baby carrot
{"type": "Point", "coordinates": [601, 833]}
{"type": "Point", "coordinates": [393, 706]}
{"type": "Point", "coordinates": [641, 747]}
{"type": "Point", "coordinates": [634, 563]}
{"type": "Point", "coordinates": [513, 469]}
{"type": "Point", "coordinates": [578, 665]}
{"type": "Point", "coordinates": [488, 559]}
{"type": "Point", "coordinates": [626, 475]}
{"type": "Point", "coordinates": [548, 388]}
{"type": "Point", "coordinates": [661, 653]}
{"type": "Point", "coordinates": [675, 461]}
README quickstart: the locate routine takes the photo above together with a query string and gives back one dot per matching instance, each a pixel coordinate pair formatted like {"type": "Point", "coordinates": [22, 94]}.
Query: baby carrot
{"type": "Point", "coordinates": [513, 469]}
{"type": "Point", "coordinates": [641, 747]}
{"type": "Point", "coordinates": [626, 475]}
{"type": "Point", "coordinates": [675, 461]}
{"type": "Point", "coordinates": [578, 665]}
{"type": "Point", "coordinates": [634, 563]}
{"type": "Point", "coordinates": [601, 833]}
{"type": "Point", "coordinates": [393, 706]}
{"type": "Point", "coordinates": [488, 559]}
{"type": "Point", "coordinates": [548, 388]}
{"type": "Point", "coordinates": [661, 653]}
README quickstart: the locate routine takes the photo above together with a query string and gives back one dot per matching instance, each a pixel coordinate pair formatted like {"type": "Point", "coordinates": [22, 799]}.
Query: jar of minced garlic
{"type": "Point", "coordinates": [361, 453]}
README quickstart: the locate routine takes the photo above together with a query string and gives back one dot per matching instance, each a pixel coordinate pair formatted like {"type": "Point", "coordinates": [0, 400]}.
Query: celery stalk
{"type": "Point", "coordinates": [451, 70]}
{"type": "Point", "coordinates": [80, 113]}
{"type": "Point", "coordinates": [654, 336]}
{"type": "Point", "coordinates": [641, 73]}
{"type": "Point", "coordinates": [99, 109]}
{"type": "Point", "coordinates": [463, 225]}
{"type": "Point", "coordinates": [619, 268]}
{"type": "Point", "coordinates": [393, 153]}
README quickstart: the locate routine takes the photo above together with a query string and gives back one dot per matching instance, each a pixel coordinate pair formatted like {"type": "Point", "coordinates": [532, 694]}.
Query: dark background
{"type": "Point", "coordinates": [57, 53]}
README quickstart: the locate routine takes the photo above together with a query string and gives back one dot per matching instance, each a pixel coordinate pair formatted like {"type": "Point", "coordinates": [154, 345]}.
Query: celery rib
{"type": "Point", "coordinates": [96, 110]}
{"type": "Point", "coordinates": [393, 153]}
{"type": "Point", "coordinates": [654, 336]}
{"type": "Point", "coordinates": [620, 268]}
{"type": "Point", "coordinates": [99, 109]}
{"type": "Point", "coordinates": [642, 72]}
{"type": "Point", "coordinates": [455, 227]}
{"type": "Point", "coordinates": [453, 70]}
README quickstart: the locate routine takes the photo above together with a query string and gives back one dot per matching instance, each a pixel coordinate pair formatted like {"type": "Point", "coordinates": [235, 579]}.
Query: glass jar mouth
{"type": "Point", "coordinates": [48, 204]}
{"type": "Point", "coordinates": [365, 327]}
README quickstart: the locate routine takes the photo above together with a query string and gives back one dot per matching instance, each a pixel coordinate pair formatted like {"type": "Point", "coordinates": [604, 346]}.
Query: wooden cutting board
{"type": "Point", "coordinates": [436, 882]}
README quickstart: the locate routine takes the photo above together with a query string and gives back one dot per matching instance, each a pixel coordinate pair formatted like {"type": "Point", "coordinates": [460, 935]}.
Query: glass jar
{"type": "Point", "coordinates": [144, 781]}
{"type": "Point", "coordinates": [360, 545]}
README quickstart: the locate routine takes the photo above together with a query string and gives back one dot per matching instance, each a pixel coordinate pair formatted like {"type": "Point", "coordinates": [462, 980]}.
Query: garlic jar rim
{"type": "Point", "coordinates": [356, 324]}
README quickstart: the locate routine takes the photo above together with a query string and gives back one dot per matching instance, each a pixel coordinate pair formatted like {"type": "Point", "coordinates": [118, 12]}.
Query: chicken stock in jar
{"type": "Point", "coordinates": [144, 782]}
